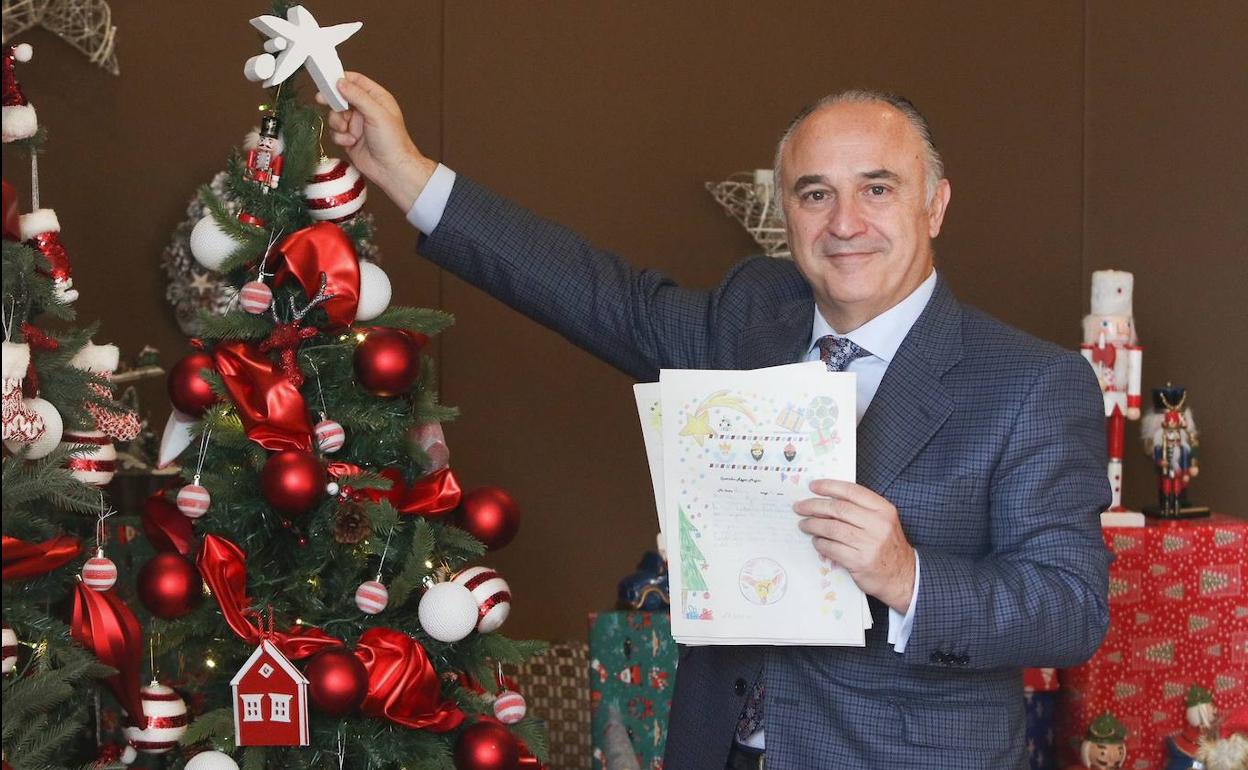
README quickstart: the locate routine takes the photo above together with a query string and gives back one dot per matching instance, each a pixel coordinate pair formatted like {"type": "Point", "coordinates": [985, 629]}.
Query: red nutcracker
{"type": "Point", "coordinates": [264, 161]}
{"type": "Point", "coordinates": [1110, 345]}
{"type": "Point", "coordinates": [1170, 439]}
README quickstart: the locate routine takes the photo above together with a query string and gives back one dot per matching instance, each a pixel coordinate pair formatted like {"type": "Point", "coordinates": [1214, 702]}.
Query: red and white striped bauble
{"type": "Point", "coordinates": [509, 707]}
{"type": "Point", "coordinates": [255, 297]}
{"type": "Point", "coordinates": [371, 597]}
{"type": "Point", "coordinates": [336, 192]}
{"type": "Point", "coordinates": [491, 593]}
{"type": "Point", "coordinates": [10, 648]}
{"type": "Point", "coordinates": [163, 722]}
{"type": "Point", "coordinates": [97, 467]}
{"type": "Point", "coordinates": [99, 573]}
{"type": "Point", "coordinates": [329, 436]}
{"type": "Point", "coordinates": [193, 500]}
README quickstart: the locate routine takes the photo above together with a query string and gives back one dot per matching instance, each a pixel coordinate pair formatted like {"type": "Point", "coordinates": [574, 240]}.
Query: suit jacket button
{"type": "Point", "coordinates": [964, 660]}
{"type": "Point", "coordinates": [739, 687]}
{"type": "Point", "coordinates": [937, 656]}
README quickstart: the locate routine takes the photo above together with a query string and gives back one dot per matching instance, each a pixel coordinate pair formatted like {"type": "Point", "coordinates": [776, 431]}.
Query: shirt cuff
{"type": "Point", "coordinates": [899, 626]}
{"type": "Point", "coordinates": [426, 211]}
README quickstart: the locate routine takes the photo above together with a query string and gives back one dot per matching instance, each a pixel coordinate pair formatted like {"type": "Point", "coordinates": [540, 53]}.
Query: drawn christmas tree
{"type": "Point", "coordinates": [692, 562]}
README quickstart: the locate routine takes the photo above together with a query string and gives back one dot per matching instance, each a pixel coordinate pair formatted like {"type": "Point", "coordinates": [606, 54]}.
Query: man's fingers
{"type": "Point", "coordinates": [831, 508]}
{"type": "Point", "coordinates": [375, 90]}
{"type": "Point", "coordinates": [834, 530]}
{"type": "Point", "coordinates": [362, 102]}
{"type": "Point", "coordinates": [342, 139]}
{"type": "Point", "coordinates": [338, 121]}
{"type": "Point", "coordinates": [355, 126]}
{"type": "Point", "coordinates": [847, 490]}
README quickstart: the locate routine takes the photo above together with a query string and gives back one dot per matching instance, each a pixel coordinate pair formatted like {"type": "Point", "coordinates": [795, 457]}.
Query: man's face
{"type": "Point", "coordinates": [855, 207]}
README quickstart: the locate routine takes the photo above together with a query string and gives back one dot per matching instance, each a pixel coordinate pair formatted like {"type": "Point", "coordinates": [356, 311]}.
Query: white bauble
{"type": "Point", "coordinates": [210, 245]}
{"type": "Point", "coordinates": [211, 760]}
{"type": "Point", "coordinates": [374, 292]}
{"type": "Point", "coordinates": [10, 649]}
{"type": "Point", "coordinates": [161, 706]}
{"type": "Point", "coordinates": [448, 612]}
{"type": "Point", "coordinates": [490, 592]}
{"type": "Point", "coordinates": [90, 467]}
{"type": "Point", "coordinates": [53, 430]}
{"type": "Point", "coordinates": [336, 191]}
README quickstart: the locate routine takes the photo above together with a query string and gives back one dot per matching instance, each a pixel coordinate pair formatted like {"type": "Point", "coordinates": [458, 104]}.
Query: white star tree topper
{"type": "Point", "coordinates": [302, 42]}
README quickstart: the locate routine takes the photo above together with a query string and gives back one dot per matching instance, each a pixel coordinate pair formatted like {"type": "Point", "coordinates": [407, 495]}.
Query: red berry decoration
{"type": "Point", "coordinates": [387, 362]}
{"type": "Point", "coordinates": [170, 586]}
{"type": "Point", "coordinates": [490, 515]}
{"type": "Point", "coordinates": [293, 481]}
{"type": "Point", "coordinates": [487, 746]}
{"type": "Point", "coordinates": [337, 681]}
{"type": "Point", "coordinates": [188, 390]}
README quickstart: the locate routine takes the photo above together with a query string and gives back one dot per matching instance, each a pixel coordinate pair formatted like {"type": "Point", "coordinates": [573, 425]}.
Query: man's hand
{"type": "Point", "coordinates": [376, 140]}
{"type": "Point", "coordinates": [860, 531]}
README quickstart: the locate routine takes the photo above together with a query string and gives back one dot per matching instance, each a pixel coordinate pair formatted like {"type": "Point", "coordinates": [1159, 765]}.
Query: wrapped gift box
{"type": "Point", "coordinates": [1178, 616]}
{"type": "Point", "coordinates": [632, 666]}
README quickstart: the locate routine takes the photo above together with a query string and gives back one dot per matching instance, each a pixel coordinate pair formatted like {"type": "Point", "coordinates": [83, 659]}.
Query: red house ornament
{"type": "Point", "coordinates": [270, 700]}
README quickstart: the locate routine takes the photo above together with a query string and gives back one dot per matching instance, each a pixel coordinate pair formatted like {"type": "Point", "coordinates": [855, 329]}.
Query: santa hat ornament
{"type": "Point", "coordinates": [19, 115]}
{"type": "Point", "coordinates": [41, 230]}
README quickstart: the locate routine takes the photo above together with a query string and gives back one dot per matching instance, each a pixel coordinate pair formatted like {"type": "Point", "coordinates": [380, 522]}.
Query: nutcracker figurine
{"type": "Point", "coordinates": [1104, 745]}
{"type": "Point", "coordinates": [1170, 438]}
{"type": "Point", "coordinates": [264, 161]}
{"type": "Point", "coordinates": [1181, 747]}
{"type": "Point", "coordinates": [1110, 345]}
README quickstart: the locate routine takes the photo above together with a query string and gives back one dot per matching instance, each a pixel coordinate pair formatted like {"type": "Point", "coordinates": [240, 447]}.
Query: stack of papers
{"type": "Point", "coordinates": [730, 452]}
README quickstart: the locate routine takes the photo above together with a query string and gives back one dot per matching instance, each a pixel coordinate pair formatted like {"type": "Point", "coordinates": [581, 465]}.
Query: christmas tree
{"type": "Point", "coordinates": [59, 423]}
{"type": "Point", "coordinates": [346, 625]}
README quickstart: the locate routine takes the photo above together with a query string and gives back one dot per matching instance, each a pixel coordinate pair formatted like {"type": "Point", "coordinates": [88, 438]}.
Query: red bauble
{"type": "Point", "coordinates": [337, 681]}
{"type": "Point", "coordinates": [487, 746]}
{"type": "Point", "coordinates": [189, 391]}
{"type": "Point", "coordinates": [169, 585]}
{"type": "Point", "coordinates": [387, 362]}
{"type": "Point", "coordinates": [490, 515]}
{"type": "Point", "coordinates": [293, 481]}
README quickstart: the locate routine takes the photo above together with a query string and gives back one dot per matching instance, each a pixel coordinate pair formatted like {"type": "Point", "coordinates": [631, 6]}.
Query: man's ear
{"type": "Point", "coordinates": [936, 209]}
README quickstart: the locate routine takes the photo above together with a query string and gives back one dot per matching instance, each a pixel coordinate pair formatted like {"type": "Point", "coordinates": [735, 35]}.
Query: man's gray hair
{"type": "Point", "coordinates": [933, 166]}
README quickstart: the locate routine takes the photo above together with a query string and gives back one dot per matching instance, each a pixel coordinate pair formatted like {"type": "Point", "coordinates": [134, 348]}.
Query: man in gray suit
{"type": "Point", "coordinates": [974, 525]}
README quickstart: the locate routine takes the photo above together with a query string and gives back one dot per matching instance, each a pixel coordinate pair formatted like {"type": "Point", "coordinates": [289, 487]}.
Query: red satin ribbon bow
{"type": "Point", "coordinates": [166, 527]}
{"type": "Point", "coordinates": [271, 408]}
{"type": "Point", "coordinates": [224, 568]}
{"type": "Point", "coordinates": [26, 560]}
{"type": "Point", "coordinates": [402, 684]}
{"type": "Point", "coordinates": [433, 495]}
{"type": "Point", "coordinates": [105, 625]}
{"type": "Point", "coordinates": [322, 248]}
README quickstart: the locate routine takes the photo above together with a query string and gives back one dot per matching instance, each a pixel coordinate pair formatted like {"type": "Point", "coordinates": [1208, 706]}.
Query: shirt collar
{"type": "Point", "coordinates": [882, 335]}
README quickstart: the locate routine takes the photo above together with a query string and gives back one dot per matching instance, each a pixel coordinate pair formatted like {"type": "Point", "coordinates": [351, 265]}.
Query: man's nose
{"type": "Point", "coordinates": [845, 219]}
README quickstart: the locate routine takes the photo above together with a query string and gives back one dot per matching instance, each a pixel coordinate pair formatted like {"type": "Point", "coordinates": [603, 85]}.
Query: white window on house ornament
{"type": "Point", "coordinates": [280, 708]}
{"type": "Point", "coordinates": [251, 708]}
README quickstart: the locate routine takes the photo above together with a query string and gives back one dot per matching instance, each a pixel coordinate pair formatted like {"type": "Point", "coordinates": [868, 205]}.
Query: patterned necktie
{"type": "Point", "coordinates": [836, 353]}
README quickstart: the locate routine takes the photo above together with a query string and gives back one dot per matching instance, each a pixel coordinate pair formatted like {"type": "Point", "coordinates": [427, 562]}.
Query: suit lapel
{"type": "Point", "coordinates": [911, 403]}
{"type": "Point", "coordinates": [782, 341]}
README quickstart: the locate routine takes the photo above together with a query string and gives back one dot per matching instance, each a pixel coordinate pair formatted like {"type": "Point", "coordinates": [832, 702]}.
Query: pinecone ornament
{"type": "Point", "coordinates": [351, 525]}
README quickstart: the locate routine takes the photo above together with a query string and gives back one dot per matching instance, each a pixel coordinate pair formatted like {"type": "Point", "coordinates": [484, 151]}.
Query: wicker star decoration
{"type": "Point", "coordinates": [84, 24]}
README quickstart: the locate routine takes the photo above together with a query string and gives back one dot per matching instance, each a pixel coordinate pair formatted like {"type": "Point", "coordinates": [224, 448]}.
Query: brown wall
{"type": "Point", "coordinates": [1078, 136]}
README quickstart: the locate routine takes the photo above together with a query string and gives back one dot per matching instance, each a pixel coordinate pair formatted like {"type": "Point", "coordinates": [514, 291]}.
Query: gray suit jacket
{"type": "Point", "coordinates": [990, 443]}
